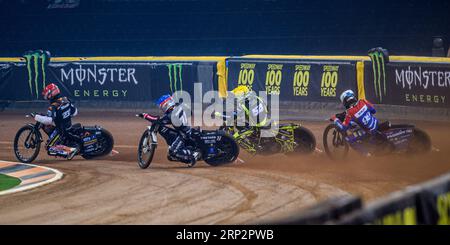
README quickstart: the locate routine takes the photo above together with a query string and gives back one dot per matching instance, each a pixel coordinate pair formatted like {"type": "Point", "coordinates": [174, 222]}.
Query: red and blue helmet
{"type": "Point", "coordinates": [165, 102]}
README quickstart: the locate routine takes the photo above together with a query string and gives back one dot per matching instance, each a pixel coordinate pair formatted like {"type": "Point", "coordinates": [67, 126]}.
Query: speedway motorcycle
{"type": "Point", "coordinates": [216, 147]}
{"type": "Point", "coordinates": [284, 138]}
{"type": "Point", "coordinates": [93, 141]}
{"type": "Point", "coordinates": [406, 139]}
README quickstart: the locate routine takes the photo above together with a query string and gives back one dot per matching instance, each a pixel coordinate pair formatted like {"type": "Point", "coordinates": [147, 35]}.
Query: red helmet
{"type": "Point", "coordinates": [50, 91]}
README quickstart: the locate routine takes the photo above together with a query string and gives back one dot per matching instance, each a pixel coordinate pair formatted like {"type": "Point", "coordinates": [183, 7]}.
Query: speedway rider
{"type": "Point", "coordinates": [249, 107]}
{"type": "Point", "coordinates": [60, 114]}
{"type": "Point", "coordinates": [175, 116]}
{"type": "Point", "coordinates": [357, 111]}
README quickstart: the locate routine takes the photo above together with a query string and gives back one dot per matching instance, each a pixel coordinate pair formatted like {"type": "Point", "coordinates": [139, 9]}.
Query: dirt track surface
{"type": "Point", "coordinates": [114, 190]}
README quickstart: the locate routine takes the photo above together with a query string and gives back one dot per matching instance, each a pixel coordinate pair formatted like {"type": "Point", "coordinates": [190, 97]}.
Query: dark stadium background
{"type": "Point", "coordinates": [199, 27]}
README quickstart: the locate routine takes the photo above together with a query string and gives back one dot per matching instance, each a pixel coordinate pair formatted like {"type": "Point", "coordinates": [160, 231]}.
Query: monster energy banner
{"type": "Point", "coordinates": [406, 83]}
{"type": "Point", "coordinates": [294, 80]}
{"type": "Point", "coordinates": [115, 81]}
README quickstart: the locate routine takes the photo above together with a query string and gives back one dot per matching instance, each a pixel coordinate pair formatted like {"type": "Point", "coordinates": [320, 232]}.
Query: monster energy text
{"type": "Point", "coordinates": [36, 62]}
{"type": "Point", "coordinates": [379, 59]}
{"type": "Point", "coordinates": [175, 77]}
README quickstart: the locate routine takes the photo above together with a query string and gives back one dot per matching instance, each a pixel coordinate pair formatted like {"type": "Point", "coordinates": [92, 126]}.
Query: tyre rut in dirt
{"type": "Point", "coordinates": [107, 141]}
{"type": "Point", "coordinates": [306, 142]}
{"type": "Point", "coordinates": [30, 139]}
{"type": "Point", "coordinates": [420, 143]}
{"type": "Point", "coordinates": [145, 144]}
{"type": "Point", "coordinates": [230, 151]}
{"type": "Point", "coordinates": [336, 141]}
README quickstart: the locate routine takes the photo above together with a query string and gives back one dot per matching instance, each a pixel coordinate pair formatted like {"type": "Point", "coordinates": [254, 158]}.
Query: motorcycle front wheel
{"type": "Point", "coordinates": [27, 144]}
{"type": "Point", "coordinates": [334, 143]}
{"type": "Point", "coordinates": [146, 150]}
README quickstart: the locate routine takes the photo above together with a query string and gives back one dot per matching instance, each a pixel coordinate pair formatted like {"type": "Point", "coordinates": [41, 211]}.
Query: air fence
{"type": "Point", "coordinates": [422, 204]}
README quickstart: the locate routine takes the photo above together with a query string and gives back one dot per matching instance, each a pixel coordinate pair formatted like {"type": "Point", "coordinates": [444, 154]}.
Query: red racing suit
{"type": "Point", "coordinates": [362, 114]}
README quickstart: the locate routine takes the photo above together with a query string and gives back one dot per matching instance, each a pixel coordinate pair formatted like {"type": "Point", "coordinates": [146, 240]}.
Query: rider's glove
{"type": "Point", "coordinates": [148, 117]}
{"type": "Point", "coordinates": [333, 119]}
{"type": "Point", "coordinates": [141, 115]}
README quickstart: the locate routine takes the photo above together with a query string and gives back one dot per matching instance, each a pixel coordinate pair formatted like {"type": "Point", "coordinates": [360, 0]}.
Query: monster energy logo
{"type": "Point", "coordinates": [175, 77]}
{"type": "Point", "coordinates": [36, 62]}
{"type": "Point", "coordinates": [379, 57]}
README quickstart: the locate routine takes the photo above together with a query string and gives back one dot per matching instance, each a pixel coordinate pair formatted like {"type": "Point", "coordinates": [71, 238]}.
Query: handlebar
{"type": "Point", "coordinates": [148, 117]}
{"type": "Point", "coordinates": [32, 115]}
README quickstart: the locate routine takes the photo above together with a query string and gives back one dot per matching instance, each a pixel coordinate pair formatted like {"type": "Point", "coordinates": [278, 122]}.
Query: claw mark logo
{"type": "Point", "coordinates": [175, 77]}
{"type": "Point", "coordinates": [36, 62]}
{"type": "Point", "coordinates": [379, 57]}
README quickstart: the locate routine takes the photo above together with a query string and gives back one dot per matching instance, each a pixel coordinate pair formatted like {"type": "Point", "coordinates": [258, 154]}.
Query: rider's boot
{"type": "Point", "coordinates": [193, 159]}
{"type": "Point", "coordinates": [62, 151]}
{"type": "Point", "coordinates": [73, 151]}
{"type": "Point", "coordinates": [57, 150]}
{"type": "Point", "coordinates": [171, 158]}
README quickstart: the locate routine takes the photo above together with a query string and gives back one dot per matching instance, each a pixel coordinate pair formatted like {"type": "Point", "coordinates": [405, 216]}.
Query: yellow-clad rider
{"type": "Point", "coordinates": [251, 112]}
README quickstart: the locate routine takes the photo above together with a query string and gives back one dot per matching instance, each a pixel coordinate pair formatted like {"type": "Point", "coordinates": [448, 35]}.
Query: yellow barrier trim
{"type": "Point", "coordinates": [308, 57]}
{"type": "Point", "coordinates": [420, 59]}
{"type": "Point", "coordinates": [351, 58]}
{"type": "Point", "coordinates": [140, 58]}
{"type": "Point", "coordinates": [10, 59]}
{"type": "Point", "coordinates": [360, 80]}
{"type": "Point", "coordinates": [222, 80]}
{"type": "Point", "coordinates": [218, 58]}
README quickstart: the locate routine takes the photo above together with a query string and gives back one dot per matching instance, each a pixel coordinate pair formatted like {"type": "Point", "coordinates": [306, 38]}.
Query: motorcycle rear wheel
{"type": "Point", "coordinates": [420, 143]}
{"type": "Point", "coordinates": [107, 141]}
{"type": "Point", "coordinates": [230, 150]}
{"type": "Point", "coordinates": [306, 142]}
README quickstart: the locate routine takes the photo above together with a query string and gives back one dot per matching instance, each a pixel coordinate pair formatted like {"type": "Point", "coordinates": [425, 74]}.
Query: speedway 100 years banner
{"type": "Point", "coordinates": [407, 83]}
{"type": "Point", "coordinates": [112, 81]}
{"type": "Point", "coordinates": [294, 80]}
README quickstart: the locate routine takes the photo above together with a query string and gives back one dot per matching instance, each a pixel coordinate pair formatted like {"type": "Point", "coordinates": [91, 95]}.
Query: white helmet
{"type": "Point", "coordinates": [348, 98]}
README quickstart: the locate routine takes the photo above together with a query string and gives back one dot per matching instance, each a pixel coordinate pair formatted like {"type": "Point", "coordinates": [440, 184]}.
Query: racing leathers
{"type": "Point", "coordinates": [60, 114]}
{"type": "Point", "coordinates": [361, 113]}
{"type": "Point", "coordinates": [177, 143]}
{"type": "Point", "coordinates": [253, 110]}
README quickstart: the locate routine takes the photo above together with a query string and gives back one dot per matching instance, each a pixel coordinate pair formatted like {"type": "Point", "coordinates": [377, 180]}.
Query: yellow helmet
{"type": "Point", "coordinates": [240, 91]}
